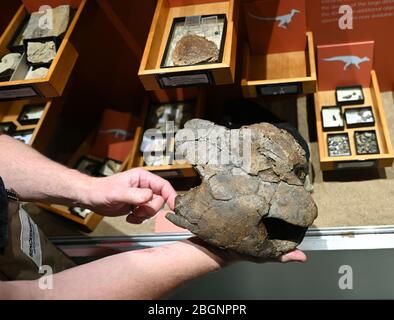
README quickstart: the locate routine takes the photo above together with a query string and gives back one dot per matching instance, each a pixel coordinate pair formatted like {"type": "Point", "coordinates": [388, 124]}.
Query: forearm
{"type": "Point", "coordinates": [35, 177]}
{"type": "Point", "coordinates": [143, 274]}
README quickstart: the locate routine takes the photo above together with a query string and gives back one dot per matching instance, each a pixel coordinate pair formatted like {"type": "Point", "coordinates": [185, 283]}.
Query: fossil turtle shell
{"type": "Point", "coordinates": [193, 49]}
{"type": "Point", "coordinates": [258, 207]}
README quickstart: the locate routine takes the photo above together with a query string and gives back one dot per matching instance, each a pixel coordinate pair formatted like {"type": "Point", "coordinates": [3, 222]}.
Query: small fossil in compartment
{"type": "Point", "coordinates": [192, 49]}
{"type": "Point", "coordinates": [366, 142]}
{"type": "Point", "coordinates": [8, 63]}
{"type": "Point", "coordinates": [37, 73]}
{"type": "Point", "coordinates": [350, 95]}
{"type": "Point", "coordinates": [47, 23]}
{"type": "Point", "coordinates": [41, 53]}
{"type": "Point", "coordinates": [359, 117]}
{"type": "Point", "coordinates": [338, 145]}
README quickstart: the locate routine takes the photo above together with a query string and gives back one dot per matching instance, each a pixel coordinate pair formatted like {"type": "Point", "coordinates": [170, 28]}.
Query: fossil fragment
{"type": "Point", "coordinates": [366, 142]}
{"type": "Point", "coordinates": [47, 23]}
{"type": "Point", "coordinates": [193, 49]}
{"type": "Point", "coordinates": [38, 52]}
{"type": "Point", "coordinates": [9, 63]}
{"type": "Point", "coordinates": [37, 73]}
{"type": "Point", "coordinates": [338, 145]}
{"type": "Point", "coordinates": [252, 198]}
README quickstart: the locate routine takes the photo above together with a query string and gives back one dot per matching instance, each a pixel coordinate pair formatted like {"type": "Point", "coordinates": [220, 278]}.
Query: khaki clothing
{"type": "Point", "coordinates": [26, 247]}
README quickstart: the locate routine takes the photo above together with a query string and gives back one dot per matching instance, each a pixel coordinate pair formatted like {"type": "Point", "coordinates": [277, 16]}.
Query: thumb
{"type": "Point", "coordinates": [294, 256]}
{"type": "Point", "coordinates": [135, 196]}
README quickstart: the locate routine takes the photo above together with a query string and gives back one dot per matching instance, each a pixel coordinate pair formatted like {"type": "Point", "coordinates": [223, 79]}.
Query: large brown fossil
{"type": "Point", "coordinates": [254, 203]}
{"type": "Point", "coordinates": [193, 49]}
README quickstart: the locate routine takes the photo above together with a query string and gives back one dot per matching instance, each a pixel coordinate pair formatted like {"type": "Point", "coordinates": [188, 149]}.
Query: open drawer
{"type": "Point", "coordinates": [279, 73]}
{"type": "Point", "coordinates": [385, 156]}
{"type": "Point", "coordinates": [34, 134]}
{"type": "Point", "coordinates": [196, 96]}
{"type": "Point", "coordinates": [155, 75]}
{"type": "Point", "coordinates": [53, 84]}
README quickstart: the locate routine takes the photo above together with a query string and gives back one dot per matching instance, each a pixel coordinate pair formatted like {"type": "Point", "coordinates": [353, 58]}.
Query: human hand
{"type": "Point", "coordinates": [137, 193]}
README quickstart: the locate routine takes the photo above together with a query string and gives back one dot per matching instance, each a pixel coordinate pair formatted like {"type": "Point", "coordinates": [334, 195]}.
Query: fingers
{"type": "Point", "coordinates": [293, 256]}
{"type": "Point", "coordinates": [134, 196]}
{"type": "Point", "coordinates": [134, 220]}
{"type": "Point", "coordinates": [146, 211]}
{"type": "Point", "coordinates": [150, 208]}
{"type": "Point", "coordinates": [158, 185]}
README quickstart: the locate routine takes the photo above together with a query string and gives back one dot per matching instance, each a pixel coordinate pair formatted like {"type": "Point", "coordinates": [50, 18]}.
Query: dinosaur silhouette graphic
{"type": "Point", "coordinates": [284, 20]}
{"type": "Point", "coordinates": [349, 61]}
{"type": "Point", "coordinates": [118, 133]}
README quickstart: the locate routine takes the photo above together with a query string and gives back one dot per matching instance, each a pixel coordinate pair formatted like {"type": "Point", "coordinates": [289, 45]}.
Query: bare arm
{"type": "Point", "coordinates": [143, 274]}
{"type": "Point", "coordinates": [36, 178]}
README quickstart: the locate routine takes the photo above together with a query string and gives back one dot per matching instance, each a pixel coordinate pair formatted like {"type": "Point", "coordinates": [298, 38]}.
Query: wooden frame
{"type": "Point", "coordinates": [372, 98]}
{"type": "Point", "coordinates": [166, 11]}
{"type": "Point", "coordinates": [175, 170]}
{"type": "Point", "coordinates": [60, 70]}
{"type": "Point", "coordinates": [276, 69]}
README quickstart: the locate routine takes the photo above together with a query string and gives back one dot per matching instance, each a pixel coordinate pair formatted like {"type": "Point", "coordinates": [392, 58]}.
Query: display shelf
{"type": "Point", "coordinates": [166, 171]}
{"type": "Point", "coordinates": [175, 170]}
{"type": "Point", "coordinates": [279, 73]}
{"type": "Point", "coordinates": [92, 219]}
{"type": "Point", "coordinates": [59, 72]}
{"type": "Point", "coordinates": [372, 98]}
{"type": "Point", "coordinates": [155, 77]}
{"type": "Point", "coordinates": [10, 111]}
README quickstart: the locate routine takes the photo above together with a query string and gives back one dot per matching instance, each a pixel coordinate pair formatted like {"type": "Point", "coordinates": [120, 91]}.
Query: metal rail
{"type": "Point", "coordinates": [346, 238]}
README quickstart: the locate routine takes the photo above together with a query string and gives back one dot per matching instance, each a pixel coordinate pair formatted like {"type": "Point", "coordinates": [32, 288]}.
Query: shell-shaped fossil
{"type": "Point", "coordinates": [252, 202]}
{"type": "Point", "coordinates": [193, 49]}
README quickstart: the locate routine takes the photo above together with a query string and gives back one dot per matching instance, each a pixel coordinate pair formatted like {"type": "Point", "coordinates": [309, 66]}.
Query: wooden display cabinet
{"type": "Point", "coordinates": [155, 77]}
{"type": "Point", "coordinates": [59, 72]}
{"type": "Point", "coordinates": [279, 73]}
{"type": "Point", "coordinates": [92, 219]}
{"type": "Point", "coordinates": [372, 98]}
{"type": "Point", "coordinates": [176, 170]}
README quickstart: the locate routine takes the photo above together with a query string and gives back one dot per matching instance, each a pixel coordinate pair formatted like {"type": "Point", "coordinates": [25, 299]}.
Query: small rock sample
{"type": "Point", "coordinates": [252, 198]}
{"type": "Point", "coordinates": [9, 63]}
{"type": "Point", "coordinates": [47, 23]}
{"type": "Point", "coordinates": [366, 142]}
{"type": "Point", "coordinates": [193, 49]}
{"type": "Point", "coordinates": [37, 74]}
{"type": "Point", "coordinates": [338, 145]}
{"type": "Point", "coordinates": [41, 52]}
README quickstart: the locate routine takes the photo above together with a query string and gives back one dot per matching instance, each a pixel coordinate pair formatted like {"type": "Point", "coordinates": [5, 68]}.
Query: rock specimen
{"type": "Point", "coordinates": [37, 73]}
{"type": "Point", "coordinates": [252, 198]}
{"type": "Point", "coordinates": [9, 63]}
{"type": "Point", "coordinates": [366, 142]}
{"type": "Point", "coordinates": [193, 49]}
{"type": "Point", "coordinates": [41, 52]}
{"type": "Point", "coordinates": [47, 23]}
{"type": "Point", "coordinates": [338, 145]}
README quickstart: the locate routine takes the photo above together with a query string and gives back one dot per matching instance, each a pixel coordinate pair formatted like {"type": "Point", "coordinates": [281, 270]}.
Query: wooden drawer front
{"type": "Point", "coordinates": [383, 159]}
{"type": "Point", "coordinates": [279, 73]}
{"type": "Point", "coordinates": [59, 72]}
{"type": "Point", "coordinates": [151, 73]}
